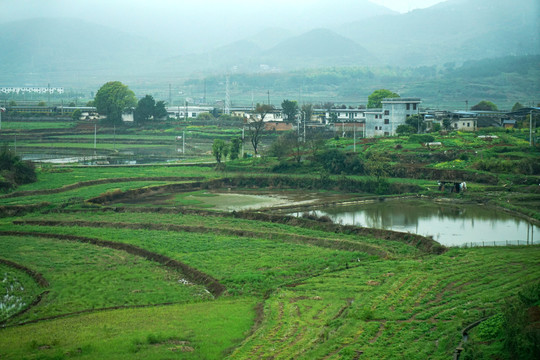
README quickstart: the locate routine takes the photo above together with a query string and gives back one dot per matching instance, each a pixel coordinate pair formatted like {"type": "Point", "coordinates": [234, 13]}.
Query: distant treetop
{"type": "Point", "coordinates": [484, 105]}
{"type": "Point", "coordinates": [376, 98]}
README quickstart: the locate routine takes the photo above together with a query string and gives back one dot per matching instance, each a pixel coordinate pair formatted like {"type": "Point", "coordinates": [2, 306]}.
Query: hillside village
{"type": "Point", "coordinates": [374, 122]}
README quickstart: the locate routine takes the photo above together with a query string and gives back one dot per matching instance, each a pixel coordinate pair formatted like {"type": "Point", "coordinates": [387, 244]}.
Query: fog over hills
{"type": "Point", "coordinates": [455, 30]}
{"type": "Point", "coordinates": [88, 42]}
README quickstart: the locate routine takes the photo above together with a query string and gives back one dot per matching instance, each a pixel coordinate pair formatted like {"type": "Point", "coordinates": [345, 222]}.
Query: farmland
{"type": "Point", "coordinates": [127, 262]}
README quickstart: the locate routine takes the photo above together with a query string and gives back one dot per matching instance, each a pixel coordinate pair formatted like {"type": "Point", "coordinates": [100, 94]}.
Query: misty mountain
{"type": "Point", "coordinates": [315, 48]}
{"type": "Point", "coordinates": [270, 37]}
{"type": "Point", "coordinates": [318, 47]}
{"type": "Point", "coordinates": [42, 48]}
{"type": "Point", "coordinates": [276, 36]}
{"type": "Point", "coordinates": [455, 30]}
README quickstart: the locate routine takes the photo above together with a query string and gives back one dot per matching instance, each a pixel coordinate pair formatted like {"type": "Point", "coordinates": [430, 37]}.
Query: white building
{"type": "Point", "coordinates": [347, 115]}
{"type": "Point", "coordinates": [394, 112]}
{"type": "Point", "coordinates": [184, 112]}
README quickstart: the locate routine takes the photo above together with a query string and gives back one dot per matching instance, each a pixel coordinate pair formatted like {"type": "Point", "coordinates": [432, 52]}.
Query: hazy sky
{"type": "Point", "coordinates": [406, 5]}
{"type": "Point", "coordinates": [196, 25]}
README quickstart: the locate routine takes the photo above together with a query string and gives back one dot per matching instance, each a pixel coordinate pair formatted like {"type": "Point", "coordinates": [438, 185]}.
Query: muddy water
{"type": "Point", "coordinates": [448, 224]}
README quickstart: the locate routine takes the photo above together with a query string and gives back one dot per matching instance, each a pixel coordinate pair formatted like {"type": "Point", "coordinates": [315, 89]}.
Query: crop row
{"type": "Point", "coordinates": [244, 265]}
{"type": "Point", "coordinates": [391, 309]}
{"type": "Point", "coordinates": [75, 270]}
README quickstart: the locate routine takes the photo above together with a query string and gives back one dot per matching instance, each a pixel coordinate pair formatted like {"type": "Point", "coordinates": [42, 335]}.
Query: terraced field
{"type": "Point", "coordinates": [150, 282]}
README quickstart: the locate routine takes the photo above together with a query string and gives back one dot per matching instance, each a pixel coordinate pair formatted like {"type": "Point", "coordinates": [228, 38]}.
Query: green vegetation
{"type": "Point", "coordinates": [191, 331]}
{"type": "Point", "coordinates": [112, 99]}
{"type": "Point", "coordinates": [17, 289]}
{"type": "Point", "coordinates": [14, 171]}
{"type": "Point", "coordinates": [106, 238]}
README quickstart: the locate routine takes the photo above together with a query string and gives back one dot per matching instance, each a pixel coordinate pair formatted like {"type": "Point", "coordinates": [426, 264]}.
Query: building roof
{"type": "Point", "coordinates": [402, 100]}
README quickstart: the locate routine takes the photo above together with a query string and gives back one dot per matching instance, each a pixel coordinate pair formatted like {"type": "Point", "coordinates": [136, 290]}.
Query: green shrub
{"type": "Point", "coordinates": [421, 138]}
{"type": "Point", "coordinates": [521, 336]}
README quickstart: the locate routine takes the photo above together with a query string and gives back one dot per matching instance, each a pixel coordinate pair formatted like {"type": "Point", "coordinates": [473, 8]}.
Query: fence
{"type": "Point", "coordinates": [497, 243]}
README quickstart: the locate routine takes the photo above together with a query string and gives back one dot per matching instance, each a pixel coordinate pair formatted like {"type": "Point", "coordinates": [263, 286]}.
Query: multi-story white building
{"type": "Point", "coordinates": [346, 115]}
{"type": "Point", "coordinates": [189, 111]}
{"type": "Point", "coordinates": [394, 112]}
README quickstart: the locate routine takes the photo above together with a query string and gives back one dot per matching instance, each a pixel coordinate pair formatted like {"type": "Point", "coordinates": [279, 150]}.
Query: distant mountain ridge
{"type": "Point", "coordinates": [39, 50]}
{"type": "Point", "coordinates": [45, 47]}
{"type": "Point", "coordinates": [455, 30]}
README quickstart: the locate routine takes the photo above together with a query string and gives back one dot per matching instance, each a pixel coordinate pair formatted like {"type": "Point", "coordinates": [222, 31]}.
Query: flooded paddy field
{"type": "Point", "coordinates": [448, 223]}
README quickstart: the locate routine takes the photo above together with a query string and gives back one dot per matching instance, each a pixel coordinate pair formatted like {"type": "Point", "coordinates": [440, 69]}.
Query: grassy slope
{"type": "Point", "coordinates": [84, 277]}
{"type": "Point", "coordinates": [322, 303]}
{"type": "Point", "coordinates": [191, 331]}
{"type": "Point", "coordinates": [391, 309]}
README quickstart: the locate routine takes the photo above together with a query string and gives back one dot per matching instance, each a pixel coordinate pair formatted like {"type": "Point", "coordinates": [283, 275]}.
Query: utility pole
{"type": "Point", "coordinates": [243, 142]}
{"type": "Point", "coordinates": [531, 132]}
{"type": "Point", "coordinates": [305, 130]}
{"type": "Point", "coordinates": [227, 97]}
{"type": "Point", "coordinates": [185, 111]}
{"type": "Point", "coordinates": [204, 97]}
{"type": "Point", "coordinates": [354, 136]}
{"type": "Point", "coordinates": [95, 134]}
{"type": "Point", "coordinates": [268, 97]}
{"type": "Point", "coordinates": [170, 95]}
{"type": "Point", "coordinates": [183, 143]}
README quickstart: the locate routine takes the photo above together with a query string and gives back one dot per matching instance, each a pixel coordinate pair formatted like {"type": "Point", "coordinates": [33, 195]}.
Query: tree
{"type": "Point", "coordinates": [205, 116]}
{"type": "Point", "coordinates": [144, 110]}
{"type": "Point", "coordinates": [160, 111]}
{"type": "Point", "coordinates": [112, 99]}
{"type": "Point", "coordinates": [417, 122]}
{"type": "Point", "coordinates": [307, 112]}
{"type": "Point", "coordinates": [484, 105]}
{"type": "Point", "coordinates": [285, 145]}
{"type": "Point", "coordinates": [376, 97]}
{"type": "Point", "coordinates": [378, 166]}
{"type": "Point", "coordinates": [15, 170]}
{"type": "Point", "coordinates": [76, 116]}
{"type": "Point", "coordinates": [405, 130]}
{"type": "Point", "coordinates": [517, 106]}
{"type": "Point", "coordinates": [220, 149]}
{"type": "Point", "coordinates": [290, 109]}
{"type": "Point", "coordinates": [256, 126]}
{"type": "Point", "coordinates": [236, 143]}
{"type": "Point", "coordinates": [447, 124]}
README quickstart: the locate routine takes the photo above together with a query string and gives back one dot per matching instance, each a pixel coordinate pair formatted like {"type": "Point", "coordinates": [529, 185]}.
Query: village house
{"type": "Point", "coordinates": [394, 112]}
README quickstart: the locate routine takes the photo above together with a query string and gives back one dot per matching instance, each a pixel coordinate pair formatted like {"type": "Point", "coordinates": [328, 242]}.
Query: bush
{"type": "Point", "coordinates": [421, 138]}
{"type": "Point", "coordinates": [337, 162]}
{"type": "Point", "coordinates": [14, 170]}
{"type": "Point", "coordinates": [521, 336]}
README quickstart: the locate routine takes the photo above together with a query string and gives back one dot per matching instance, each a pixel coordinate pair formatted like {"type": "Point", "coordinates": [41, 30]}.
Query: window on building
{"type": "Point", "coordinates": [408, 106]}
{"type": "Point", "coordinates": [386, 133]}
{"type": "Point", "coordinates": [414, 106]}
{"type": "Point", "coordinates": [468, 124]}
{"type": "Point", "coordinates": [386, 121]}
{"type": "Point", "coordinates": [386, 112]}
{"type": "Point", "coordinates": [194, 115]}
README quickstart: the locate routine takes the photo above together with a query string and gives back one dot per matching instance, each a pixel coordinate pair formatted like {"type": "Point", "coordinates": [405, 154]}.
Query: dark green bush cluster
{"type": "Point", "coordinates": [521, 333]}
{"type": "Point", "coordinates": [14, 171]}
{"type": "Point", "coordinates": [338, 162]}
{"type": "Point", "coordinates": [524, 166]}
{"type": "Point", "coordinates": [421, 138]}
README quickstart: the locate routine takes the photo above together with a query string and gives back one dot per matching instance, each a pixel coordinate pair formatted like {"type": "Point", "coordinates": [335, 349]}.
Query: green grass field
{"type": "Point", "coordinates": [293, 290]}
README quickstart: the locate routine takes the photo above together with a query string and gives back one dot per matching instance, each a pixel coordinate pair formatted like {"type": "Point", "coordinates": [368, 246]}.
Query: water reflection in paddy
{"type": "Point", "coordinates": [450, 225]}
